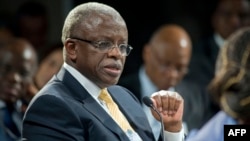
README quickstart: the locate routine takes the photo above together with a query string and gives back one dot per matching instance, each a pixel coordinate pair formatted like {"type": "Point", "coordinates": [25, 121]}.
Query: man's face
{"type": "Point", "coordinates": [231, 15]}
{"type": "Point", "coordinates": [103, 68]}
{"type": "Point", "coordinates": [166, 64]}
{"type": "Point", "coordinates": [48, 67]}
{"type": "Point", "coordinates": [15, 73]}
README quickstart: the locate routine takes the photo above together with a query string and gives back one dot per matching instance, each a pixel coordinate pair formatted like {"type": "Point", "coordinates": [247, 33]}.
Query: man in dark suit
{"type": "Point", "coordinates": [70, 107]}
{"type": "Point", "coordinates": [166, 59]}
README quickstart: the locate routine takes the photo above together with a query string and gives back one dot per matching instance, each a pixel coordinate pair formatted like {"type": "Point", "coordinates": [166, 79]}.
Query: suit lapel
{"type": "Point", "coordinates": [89, 103]}
{"type": "Point", "coordinates": [17, 120]}
{"type": "Point", "coordinates": [214, 50]}
{"type": "Point", "coordinates": [128, 108]}
{"type": "Point", "coordinates": [93, 107]}
{"type": "Point", "coordinates": [2, 127]}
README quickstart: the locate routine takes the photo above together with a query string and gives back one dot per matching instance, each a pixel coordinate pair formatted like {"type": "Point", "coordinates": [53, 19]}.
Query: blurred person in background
{"type": "Point", "coordinates": [49, 65]}
{"type": "Point", "coordinates": [18, 62]}
{"type": "Point", "coordinates": [229, 88]}
{"type": "Point", "coordinates": [166, 58]}
{"type": "Point", "coordinates": [227, 17]}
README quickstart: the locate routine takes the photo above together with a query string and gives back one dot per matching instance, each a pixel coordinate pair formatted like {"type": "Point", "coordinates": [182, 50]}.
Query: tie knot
{"type": "Point", "coordinates": [105, 96]}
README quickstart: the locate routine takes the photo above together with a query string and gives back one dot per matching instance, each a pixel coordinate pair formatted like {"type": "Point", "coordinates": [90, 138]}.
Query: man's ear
{"type": "Point", "coordinates": [71, 49]}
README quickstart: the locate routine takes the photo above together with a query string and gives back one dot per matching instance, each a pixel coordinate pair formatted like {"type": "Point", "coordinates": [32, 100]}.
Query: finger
{"type": "Point", "coordinates": [157, 98]}
{"type": "Point", "coordinates": [171, 101]}
{"type": "Point", "coordinates": [165, 103]}
{"type": "Point", "coordinates": [177, 102]}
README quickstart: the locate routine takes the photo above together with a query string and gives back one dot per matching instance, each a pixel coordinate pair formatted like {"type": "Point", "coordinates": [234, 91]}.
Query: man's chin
{"type": "Point", "coordinates": [112, 81]}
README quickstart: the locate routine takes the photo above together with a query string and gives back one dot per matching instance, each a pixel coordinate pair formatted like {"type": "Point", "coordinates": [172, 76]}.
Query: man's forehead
{"type": "Point", "coordinates": [98, 19]}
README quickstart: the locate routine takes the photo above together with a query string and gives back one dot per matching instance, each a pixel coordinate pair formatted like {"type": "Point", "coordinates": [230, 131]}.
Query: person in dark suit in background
{"type": "Point", "coordinates": [70, 106]}
{"type": "Point", "coordinates": [166, 58]}
{"type": "Point", "coordinates": [18, 62]}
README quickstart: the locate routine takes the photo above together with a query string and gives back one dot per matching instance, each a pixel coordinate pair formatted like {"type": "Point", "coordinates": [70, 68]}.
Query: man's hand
{"type": "Point", "coordinates": [170, 105]}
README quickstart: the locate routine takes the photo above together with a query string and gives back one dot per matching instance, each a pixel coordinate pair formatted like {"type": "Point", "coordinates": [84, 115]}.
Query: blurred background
{"type": "Point", "coordinates": [142, 19]}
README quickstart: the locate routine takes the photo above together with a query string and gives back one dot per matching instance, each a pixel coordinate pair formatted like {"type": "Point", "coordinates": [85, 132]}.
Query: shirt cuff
{"type": "Point", "coordinates": [177, 136]}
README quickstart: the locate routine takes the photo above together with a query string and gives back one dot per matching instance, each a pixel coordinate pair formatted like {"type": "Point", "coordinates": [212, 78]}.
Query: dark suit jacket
{"type": "Point", "coordinates": [5, 133]}
{"type": "Point", "coordinates": [202, 69]}
{"type": "Point", "coordinates": [202, 64]}
{"type": "Point", "coordinates": [64, 111]}
{"type": "Point", "coordinates": [195, 105]}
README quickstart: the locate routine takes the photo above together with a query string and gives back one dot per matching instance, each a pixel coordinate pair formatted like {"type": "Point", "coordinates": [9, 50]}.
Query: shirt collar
{"type": "Point", "coordinates": [147, 86]}
{"type": "Point", "coordinates": [92, 88]}
{"type": "Point", "coordinates": [219, 40]}
{"type": "Point", "coordinates": [2, 104]}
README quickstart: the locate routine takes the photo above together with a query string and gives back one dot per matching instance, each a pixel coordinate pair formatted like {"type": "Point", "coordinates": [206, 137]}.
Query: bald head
{"type": "Point", "coordinates": [21, 47]}
{"type": "Point", "coordinates": [173, 35]}
{"type": "Point", "coordinates": [23, 50]}
{"type": "Point", "coordinates": [167, 55]}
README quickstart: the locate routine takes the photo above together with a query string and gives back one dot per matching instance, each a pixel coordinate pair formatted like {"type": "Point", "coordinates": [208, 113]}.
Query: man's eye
{"type": "Point", "coordinates": [105, 45]}
{"type": "Point", "coordinates": [7, 68]}
{"type": "Point", "coordinates": [123, 47]}
{"type": "Point", "coordinates": [24, 73]}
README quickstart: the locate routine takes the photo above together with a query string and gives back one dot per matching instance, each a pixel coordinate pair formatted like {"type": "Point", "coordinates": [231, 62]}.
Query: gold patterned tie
{"type": "Point", "coordinates": [115, 111]}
